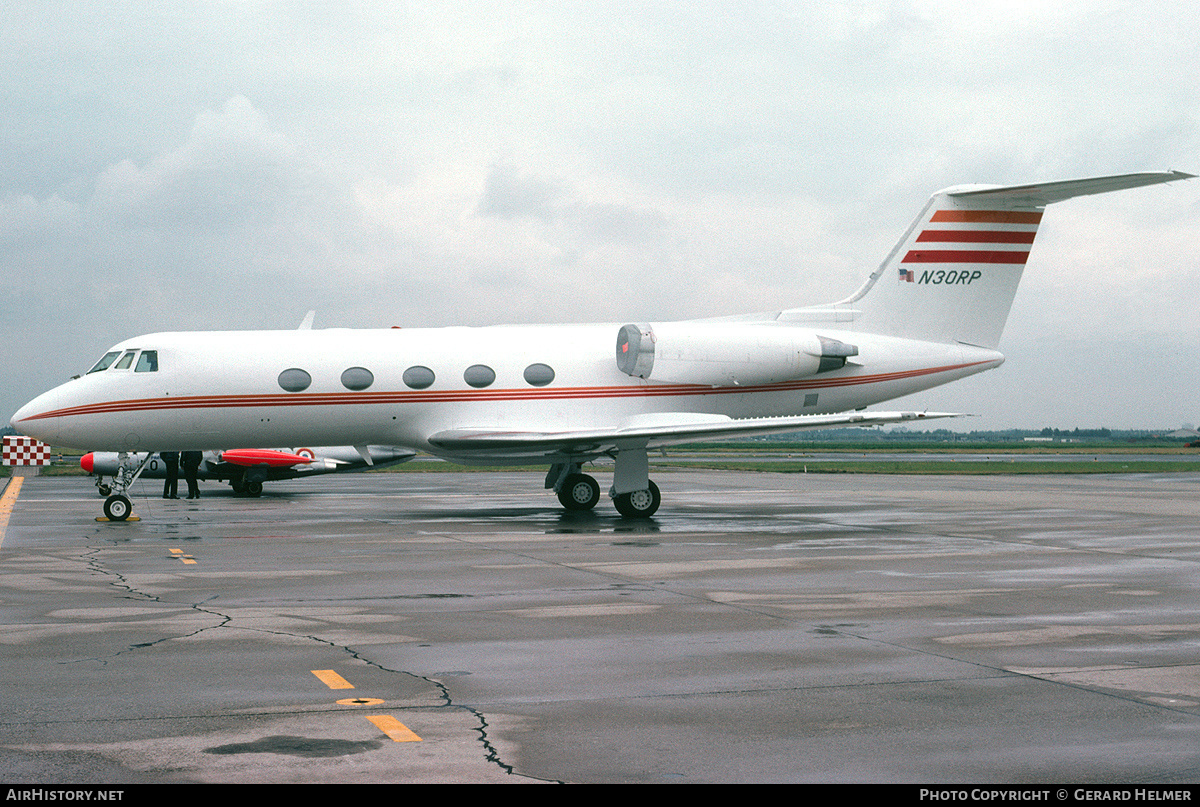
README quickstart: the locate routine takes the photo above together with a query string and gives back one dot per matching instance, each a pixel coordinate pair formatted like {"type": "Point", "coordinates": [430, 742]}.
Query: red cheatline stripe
{"type": "Point", "coordinates": [989, 216]}
{"type": "Point", "coordinates": [964, 256]}
{"type": "Point", "coordinates": [578, 393]}
{"type": "Point", "coordinates": [978, 236]}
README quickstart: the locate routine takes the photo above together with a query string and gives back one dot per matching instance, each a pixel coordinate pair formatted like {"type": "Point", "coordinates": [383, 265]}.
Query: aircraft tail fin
{"type": "Point", "coordinates": [953, 275]}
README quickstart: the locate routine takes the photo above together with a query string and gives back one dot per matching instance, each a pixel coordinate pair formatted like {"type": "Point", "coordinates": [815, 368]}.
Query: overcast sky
{"type": "Point", "coordinates": [231, 165]}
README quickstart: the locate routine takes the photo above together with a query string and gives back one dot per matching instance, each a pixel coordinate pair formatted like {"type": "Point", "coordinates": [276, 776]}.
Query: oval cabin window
{"type": "Point", "coordinates": [357, 378]}
{"type": "Point", "coordinates": [479, 375]}
{"type": "Point", "coordinates": [295, 380]}
{"type": "Point", "coordinates": [539, 375]}
{"type": "Point", "coordinates": [418, 377]}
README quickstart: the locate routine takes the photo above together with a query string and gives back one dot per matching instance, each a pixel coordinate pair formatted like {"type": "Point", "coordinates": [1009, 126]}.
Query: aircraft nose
{"type": "Point", "coordinates": [32, 420]}
{"type": "Point", "coordinates": [21, 414]}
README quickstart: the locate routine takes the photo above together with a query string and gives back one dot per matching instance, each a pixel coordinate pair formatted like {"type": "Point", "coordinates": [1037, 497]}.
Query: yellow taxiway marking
{"type": "Point", "coordinates": [389, 725]}
{"type": "Point", "coordinates": [332, 679]}
{"type": "Point", "coordinates": [360, 701]}
{"type": "Point", "coordinates": [7, 501]}
{"type": "Point", "coordinates": [394, 728]}
{"type": "Point", "coordinates": [180, 554]}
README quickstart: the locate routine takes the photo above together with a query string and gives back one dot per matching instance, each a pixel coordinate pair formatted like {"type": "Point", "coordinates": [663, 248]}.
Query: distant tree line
{"type": "Point", "coordinates": [1077, 432]}
{"type": "Point", "coordinates": [903, 434]}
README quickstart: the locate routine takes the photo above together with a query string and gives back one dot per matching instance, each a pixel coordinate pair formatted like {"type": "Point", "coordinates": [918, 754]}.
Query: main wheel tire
{"type": "Point", "coordinates": [579, 492]}
{"type": "Point", "coordinates": [254, 488]}
{"type": "Point", "coordinates": [639, 503]}
{"type": "Point", "coordinates": [117, 508]}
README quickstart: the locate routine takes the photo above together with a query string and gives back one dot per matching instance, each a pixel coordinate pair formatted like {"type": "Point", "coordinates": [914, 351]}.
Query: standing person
{"type": "Point", "coordinates": [191, 463]}
{"type": "Point", "coordinates": [171, 486]}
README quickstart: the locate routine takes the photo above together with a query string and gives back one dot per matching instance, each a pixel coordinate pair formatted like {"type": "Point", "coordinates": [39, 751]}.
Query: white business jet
{"type": "Point", "coordinates": [565, 395]}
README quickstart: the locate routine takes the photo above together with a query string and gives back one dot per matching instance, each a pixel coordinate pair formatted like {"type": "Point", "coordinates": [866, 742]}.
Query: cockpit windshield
{"type": "Point", "coordinates": [147, 361]}
{"type": "Point", "coordinates": [105, 362]}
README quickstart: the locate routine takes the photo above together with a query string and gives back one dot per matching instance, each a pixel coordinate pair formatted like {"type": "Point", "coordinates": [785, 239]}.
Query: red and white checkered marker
{"type": "Point", "coordinates": [25, 451]}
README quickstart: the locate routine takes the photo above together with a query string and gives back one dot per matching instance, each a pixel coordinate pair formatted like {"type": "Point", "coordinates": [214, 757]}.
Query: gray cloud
{"type": "Point", "coordinates": [509, 196]}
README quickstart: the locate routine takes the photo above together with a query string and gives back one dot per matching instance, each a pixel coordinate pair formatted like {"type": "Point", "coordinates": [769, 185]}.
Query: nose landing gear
{"type": "Point", "coordinates": [118, 507]}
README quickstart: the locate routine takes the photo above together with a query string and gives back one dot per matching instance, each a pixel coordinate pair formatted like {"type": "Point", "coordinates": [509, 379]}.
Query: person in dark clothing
{"type": "Point", "coordinates": [171, 486]}
{"type": "Point", "coordinates": [191, 464]}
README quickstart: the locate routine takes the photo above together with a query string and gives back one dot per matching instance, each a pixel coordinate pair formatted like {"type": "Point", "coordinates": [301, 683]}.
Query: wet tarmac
{"type": "Point", "coordinates": [932, 456]}
{"type": "Point", "coordinates": [761, 628]}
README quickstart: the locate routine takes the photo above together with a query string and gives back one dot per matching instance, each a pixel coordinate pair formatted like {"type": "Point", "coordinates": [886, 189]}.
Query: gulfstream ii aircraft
{"type": "Point", "coordinates": [564, 395]}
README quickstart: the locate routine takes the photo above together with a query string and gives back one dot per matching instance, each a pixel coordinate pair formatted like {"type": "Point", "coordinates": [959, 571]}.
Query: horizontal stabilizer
{"type": "Point", "coordinates": [1045, 193]}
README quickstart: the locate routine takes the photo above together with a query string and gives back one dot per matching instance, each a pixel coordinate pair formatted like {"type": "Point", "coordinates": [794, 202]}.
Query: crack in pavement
{"type": "Point", "coordinates": [224, 620]}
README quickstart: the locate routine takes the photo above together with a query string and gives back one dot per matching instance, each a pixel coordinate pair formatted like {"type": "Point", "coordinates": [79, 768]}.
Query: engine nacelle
{"type": "Point", "coordinates": [726, 354]}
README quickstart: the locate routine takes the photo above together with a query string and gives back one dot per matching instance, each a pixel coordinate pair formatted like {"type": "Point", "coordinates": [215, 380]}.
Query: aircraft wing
{"type": "Point", "coordinates": [651, 431]}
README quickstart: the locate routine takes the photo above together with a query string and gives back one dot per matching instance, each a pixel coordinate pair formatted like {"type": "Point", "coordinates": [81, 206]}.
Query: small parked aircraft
{"type": "Point", "coordinates": [565, 395]}
{"type": "Point", "coordinates": [247, 469]}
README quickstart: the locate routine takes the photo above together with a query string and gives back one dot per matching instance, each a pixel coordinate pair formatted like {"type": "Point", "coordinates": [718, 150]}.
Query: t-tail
{"type": "Point", "coordinates": [953, 275]}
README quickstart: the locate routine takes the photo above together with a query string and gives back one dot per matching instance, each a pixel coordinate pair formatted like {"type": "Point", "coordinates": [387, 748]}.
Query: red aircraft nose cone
{"type": "Point", "coordinates": [86, 462]}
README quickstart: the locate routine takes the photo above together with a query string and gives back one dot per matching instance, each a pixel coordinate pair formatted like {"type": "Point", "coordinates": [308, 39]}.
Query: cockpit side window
{"type": "Point", "coordinates": [126, 360]}
{"type": "Point", "coordinates": [147, 362]}
{"type": "Point", "coordinates": [105, 362]}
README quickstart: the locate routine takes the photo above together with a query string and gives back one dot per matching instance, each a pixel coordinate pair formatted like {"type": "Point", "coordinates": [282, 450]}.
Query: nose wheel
{"type": "Point", "coordinates": [117, 508]}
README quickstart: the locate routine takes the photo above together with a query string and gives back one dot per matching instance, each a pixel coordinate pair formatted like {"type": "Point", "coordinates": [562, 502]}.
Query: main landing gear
{"type": "Point", "coordinates": [579, 492]}
{"type": "Point", "coordinates": [247, 484]}
{"type": "Point", "coordinates": [639, 503]}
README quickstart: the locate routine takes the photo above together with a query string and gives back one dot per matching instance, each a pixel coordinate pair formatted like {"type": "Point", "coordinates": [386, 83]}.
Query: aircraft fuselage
{"type": "Point", "coordinates": [249, 389]}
